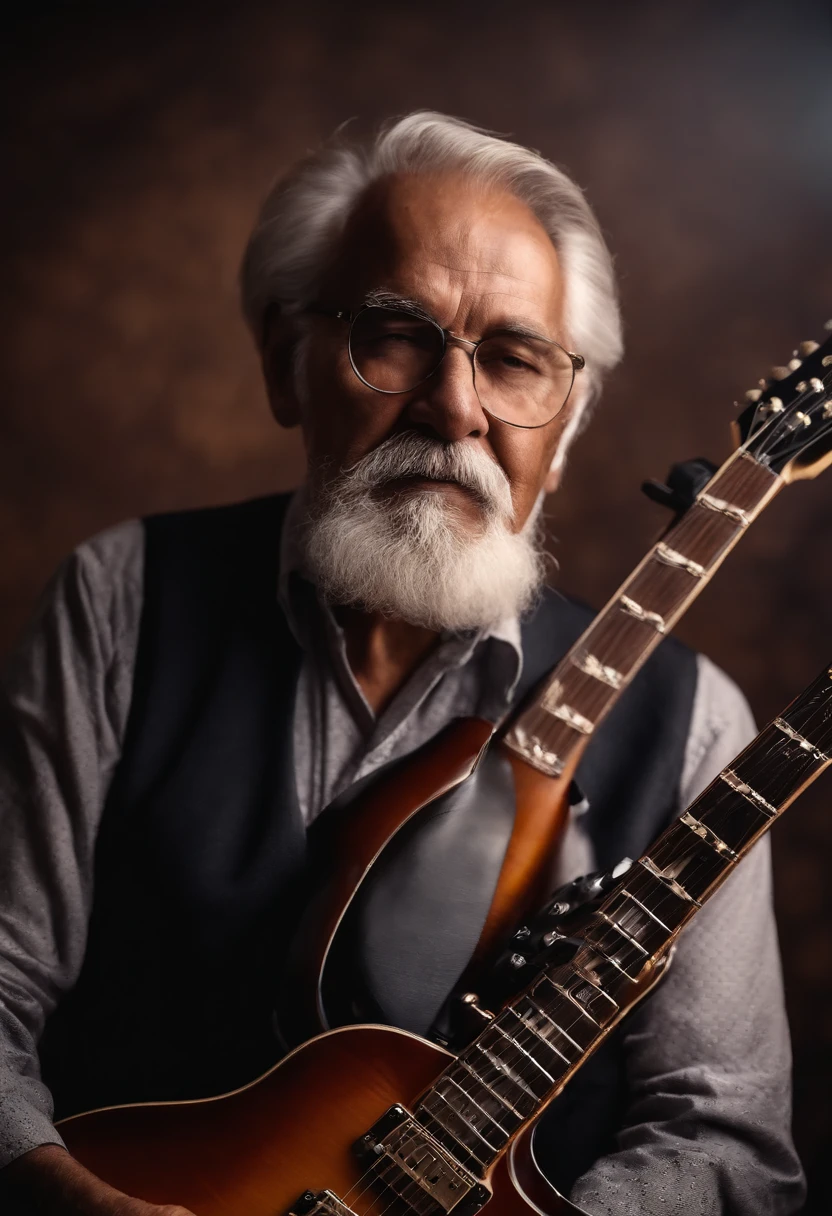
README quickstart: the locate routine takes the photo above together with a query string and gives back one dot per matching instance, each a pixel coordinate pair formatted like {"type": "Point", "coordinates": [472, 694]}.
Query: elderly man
{"type": "Point", "coordinates": [436, 312]}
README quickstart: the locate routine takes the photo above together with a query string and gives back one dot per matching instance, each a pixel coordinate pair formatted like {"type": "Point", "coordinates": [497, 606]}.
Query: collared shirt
{"type": "Point", "coordinates": [708, 1060]}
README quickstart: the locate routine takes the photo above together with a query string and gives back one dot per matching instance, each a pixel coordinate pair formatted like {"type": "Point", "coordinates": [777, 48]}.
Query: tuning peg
{"type": "Point", "coordinates": [794, 364]}
{"type": "Point", "coordinates": [826, 361]}
{"type": "Point", "coordinates": [828, 324]}
{"type": "Point", "coordinates": [780, 373]}
{"type": "Point", "coordinates": [754, 394]}
{"type": "Point", "coordinates": [773, 406]}
{"type": "Point", "coordinates": [807, 348]}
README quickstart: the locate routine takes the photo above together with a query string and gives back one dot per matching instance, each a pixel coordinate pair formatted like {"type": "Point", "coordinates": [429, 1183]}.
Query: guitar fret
{"type": "Point", "coordinates": [671, 907]}
{"type": "Point", "coordinates": [637, 921]}
{"type": "Point", "coordinates": [578, 1008]}
{"type": "Point", "coordinates": [737, 514]}
{"type": "Point", "coordinates": [590, 665]}
{"type": "Point", "coordinates": [469, 1130]}
{"type": "Point", "coordinates": [811, 715]}
{"type": "Point", "coordinates": [778, 766]}
{"type": "Point", "coordinates": [708, 835]}
{"type": "Point", "coordinates": [680, 855]}
{"type": "Point", "coordinates": [634, 608]}
{"type": "Point", "coordinates": [507, 1077]}
{"type": "Point", "coordinates": [804, 743]}
{"type": "Point", "coordinates": [624, 933]}
{"type": "Point", "coordinates": [599, 970]}
{"type": "Point", "coordinates": [550, 1031]}
{"type": "Point", "coordinates": [549, 1023]}
{"type": "Point", "coordinates": [572, 718]}
{"type": "Point", "coordinates": [546, 1055]}
{"type": "Point", "coordinates": [620, 949]}
{"type": "Point", "coordinates": [730, 815]}
{"type": "Point", "coordinates": [672, 557]}
{"type": "Point", "coordinates": [670, 883]}
{"type": "Point", "coordinates": [486, 1092]}
{"type": "Point", "coordinates": [457, 1148]}
{"type": "Point", "coordinates": [509, 1038]}
{"type": "Point", "coordinates": [469, 1100]}
{"type": "Point", "coordinates": [743, 788]}
{"type": "Point", "coordinates": [644, 908]}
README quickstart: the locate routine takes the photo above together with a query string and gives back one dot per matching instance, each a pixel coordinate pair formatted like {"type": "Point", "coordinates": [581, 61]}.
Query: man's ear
{"type": "Point", "coordinates": [552, 479]}
{"type": "Point", "coordinates": [571, 427]}
{"type": "Point", "coordinates": [278, 357]}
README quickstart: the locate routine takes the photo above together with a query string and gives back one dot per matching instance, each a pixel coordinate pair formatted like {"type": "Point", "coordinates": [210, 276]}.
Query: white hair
{"type": "Point", "coordinates": [410, 556]}
{"type": "Point", "coordinates": [307, 210]}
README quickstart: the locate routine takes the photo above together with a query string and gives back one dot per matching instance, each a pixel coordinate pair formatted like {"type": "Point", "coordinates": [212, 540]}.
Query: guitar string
{"type": "Point", "coordinates": [817, 727]}
{"type": "Point", "coordinates": [528, 1068]}
{"type": "Point", "coordinates": [410, 1194]}
{"type": "Point", "coordinates": [746, 480]}
{"type": "Point", "coordinates": [520, 1066]}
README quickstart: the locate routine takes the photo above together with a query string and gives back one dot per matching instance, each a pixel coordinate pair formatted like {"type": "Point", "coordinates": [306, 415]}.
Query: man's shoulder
{"type": "Point", "coordinates": [114, 554]}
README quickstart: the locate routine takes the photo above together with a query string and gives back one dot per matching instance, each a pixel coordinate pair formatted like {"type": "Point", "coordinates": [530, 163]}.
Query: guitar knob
{"type": "Point", "coordinates": [517, 961]}
{"type": "Point", "coordinates": [522, 933]}
{"type": "Point", "coordinates": [807, 348]}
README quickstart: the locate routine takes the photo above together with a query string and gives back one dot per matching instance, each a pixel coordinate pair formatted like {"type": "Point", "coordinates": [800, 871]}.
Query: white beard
{"type": "Point", "coordinates": [413, 556]}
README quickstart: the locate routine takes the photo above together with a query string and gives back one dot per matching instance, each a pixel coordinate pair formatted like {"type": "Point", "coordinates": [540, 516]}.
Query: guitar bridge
{"type": "Point", "coordinates": [398, 1138]}
{"type": "Point", "coordinates": [319, 1203]}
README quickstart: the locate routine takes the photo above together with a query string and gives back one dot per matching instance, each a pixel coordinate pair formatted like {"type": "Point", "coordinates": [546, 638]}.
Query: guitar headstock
{"type": "Point", "coordinates": [787, 423]}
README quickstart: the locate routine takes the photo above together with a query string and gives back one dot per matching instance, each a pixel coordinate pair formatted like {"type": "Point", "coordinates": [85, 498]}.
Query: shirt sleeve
{"type": "Point", "coordinates": [708, 1056]}
{"type": "Point", "coordinates": [64, 700]}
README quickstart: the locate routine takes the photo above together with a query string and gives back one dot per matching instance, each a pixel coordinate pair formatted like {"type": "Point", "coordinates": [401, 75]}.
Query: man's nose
{"type": "Point", "coordinates": [448, 401]}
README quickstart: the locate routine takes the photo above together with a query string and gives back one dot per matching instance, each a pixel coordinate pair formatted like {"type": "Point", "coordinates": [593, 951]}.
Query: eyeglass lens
{"type": "Point", "coordinates": [525, 381]}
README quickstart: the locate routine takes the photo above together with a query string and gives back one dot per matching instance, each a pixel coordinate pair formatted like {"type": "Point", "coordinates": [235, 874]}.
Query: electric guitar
{"type": "Point", "coordinates": [783, 434]}
{"type": "Point", "coordinates": [368, 1120]}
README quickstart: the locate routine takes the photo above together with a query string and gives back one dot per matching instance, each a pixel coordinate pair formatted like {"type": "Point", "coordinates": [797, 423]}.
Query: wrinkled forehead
{"type": "Point", "coordinates": [468, 252]}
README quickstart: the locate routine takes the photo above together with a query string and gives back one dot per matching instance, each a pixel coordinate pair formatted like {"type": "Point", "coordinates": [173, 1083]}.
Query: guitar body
{"type": "Point", "coordinates": [255, 1151]}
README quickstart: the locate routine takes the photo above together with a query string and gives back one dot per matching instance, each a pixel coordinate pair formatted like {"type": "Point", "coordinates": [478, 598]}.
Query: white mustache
{"type": "Point", "coordinates": [413, 455]}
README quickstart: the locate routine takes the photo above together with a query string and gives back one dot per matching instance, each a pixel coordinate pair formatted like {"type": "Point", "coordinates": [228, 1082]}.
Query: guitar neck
{"type": "Point", "coordinates": [530, 1050]}
{"type": "Point", "coordinates": [589, 679]}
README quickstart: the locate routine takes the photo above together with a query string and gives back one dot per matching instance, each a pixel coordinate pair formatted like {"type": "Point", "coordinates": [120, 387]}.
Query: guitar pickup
{"type": "Point", "coordinates": [400, 1139]}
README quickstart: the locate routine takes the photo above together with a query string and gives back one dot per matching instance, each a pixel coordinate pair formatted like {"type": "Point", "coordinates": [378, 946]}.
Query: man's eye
{"type": "Point", "coordinates": [505, 360]}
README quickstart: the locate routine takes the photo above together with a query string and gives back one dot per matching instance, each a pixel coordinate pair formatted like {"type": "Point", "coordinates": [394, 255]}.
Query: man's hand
{"type": "Point", "coordinates": [48, 1182]}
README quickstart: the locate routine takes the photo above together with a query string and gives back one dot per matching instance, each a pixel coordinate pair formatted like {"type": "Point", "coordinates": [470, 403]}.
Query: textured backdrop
{"type": "Point", "coordinates": [138, 146]}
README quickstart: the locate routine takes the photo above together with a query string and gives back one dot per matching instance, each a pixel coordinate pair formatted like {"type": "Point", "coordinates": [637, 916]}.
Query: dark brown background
{"type": "Point", "coordinates": [139, 145]}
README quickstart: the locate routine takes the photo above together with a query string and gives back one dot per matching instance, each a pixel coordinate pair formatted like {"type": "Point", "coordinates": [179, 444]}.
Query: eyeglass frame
{"type": "Point", "coordinates": [341, 314]}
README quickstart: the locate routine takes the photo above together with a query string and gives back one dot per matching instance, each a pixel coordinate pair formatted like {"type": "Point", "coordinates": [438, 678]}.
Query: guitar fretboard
{"type": "Point", "coordinates": [590, 678]}
{"type": "Point", "coordinates": [528, 1052]}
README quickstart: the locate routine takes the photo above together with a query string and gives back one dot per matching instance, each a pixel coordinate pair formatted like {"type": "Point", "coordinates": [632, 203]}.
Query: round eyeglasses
{"type": "Point", "coordinates": [520, 379]}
